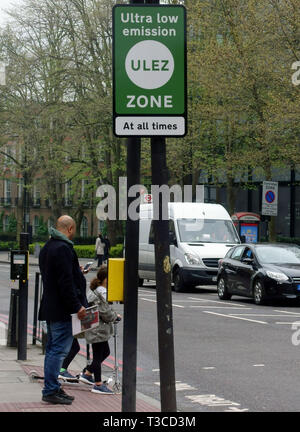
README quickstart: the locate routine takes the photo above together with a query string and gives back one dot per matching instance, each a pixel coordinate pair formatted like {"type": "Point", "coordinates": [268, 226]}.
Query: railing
{"type": "Point", "coordinates": [39, 332]}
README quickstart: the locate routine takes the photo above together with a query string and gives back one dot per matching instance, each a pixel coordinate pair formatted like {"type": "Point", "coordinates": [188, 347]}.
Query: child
{"type": "Point", "coordinates": [100, 335]}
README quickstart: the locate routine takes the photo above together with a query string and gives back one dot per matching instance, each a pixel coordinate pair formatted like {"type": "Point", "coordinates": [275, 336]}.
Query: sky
{"type": "Point", "coordinates": [6, 4]}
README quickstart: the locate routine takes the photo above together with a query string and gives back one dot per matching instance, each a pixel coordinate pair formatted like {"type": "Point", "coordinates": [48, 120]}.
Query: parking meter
{"type": "Point", "coordinates": [19, 265]}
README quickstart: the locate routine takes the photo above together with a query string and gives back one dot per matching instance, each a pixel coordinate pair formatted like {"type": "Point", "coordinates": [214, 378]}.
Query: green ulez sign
{"type": "Point", "coordinates": [149, 70]}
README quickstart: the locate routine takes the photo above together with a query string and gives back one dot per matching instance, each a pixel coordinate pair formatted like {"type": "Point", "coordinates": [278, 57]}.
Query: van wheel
{"type": "Point", "coordinates": [179, 285]}
{"type": "Point", "coordinates": [223, 290]}
{"type": "Point", "coordinates": [141, 282]}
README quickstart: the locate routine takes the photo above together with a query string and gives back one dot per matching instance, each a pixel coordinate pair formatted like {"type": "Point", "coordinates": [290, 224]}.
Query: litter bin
{"type": "Point", "coordinates": [247, 225]}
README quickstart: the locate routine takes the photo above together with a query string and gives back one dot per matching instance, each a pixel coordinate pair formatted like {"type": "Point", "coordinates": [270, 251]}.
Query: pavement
{"type": "Point", "coordinates": [20, 393]}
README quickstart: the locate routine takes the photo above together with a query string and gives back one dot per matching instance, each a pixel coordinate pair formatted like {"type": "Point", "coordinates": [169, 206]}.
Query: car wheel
{"type": "Point", "coordinates": [259, 293]}
{"type": "Point", "coordinates": [179, 285]}
{"type": "Point", "coordinates": [223, 290]}
{"type": "Point", "coordinates": [141, 282]}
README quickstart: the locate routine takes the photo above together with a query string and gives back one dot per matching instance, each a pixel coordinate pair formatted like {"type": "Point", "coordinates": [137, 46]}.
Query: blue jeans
{"type": "Point", "coordinates": [59, 342]}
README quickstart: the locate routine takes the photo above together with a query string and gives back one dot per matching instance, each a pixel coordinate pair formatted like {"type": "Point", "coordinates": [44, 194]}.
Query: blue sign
{"type": "Point", "coordinates": [250, 232]}
{"type": "Point", "coordinates": [270, 197]}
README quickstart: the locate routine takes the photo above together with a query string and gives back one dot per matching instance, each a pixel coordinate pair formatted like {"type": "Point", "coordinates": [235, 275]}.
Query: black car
{"type": "Point", "coordinates": [261, 271]}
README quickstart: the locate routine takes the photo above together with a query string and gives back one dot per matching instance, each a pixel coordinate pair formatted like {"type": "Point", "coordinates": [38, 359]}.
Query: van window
{"type": "Point", "coordinates": [151, 235]}
{"type": "Point", "coordinates": [171, 230]}
{"type": "Point", "coordinates": [207, 231]}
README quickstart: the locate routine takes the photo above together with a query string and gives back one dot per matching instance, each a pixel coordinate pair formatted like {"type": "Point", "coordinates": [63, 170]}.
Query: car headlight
{"type": "Point", "coordinates": [280, 277]}
{"type": "Point", "coordinates": [191, 259]}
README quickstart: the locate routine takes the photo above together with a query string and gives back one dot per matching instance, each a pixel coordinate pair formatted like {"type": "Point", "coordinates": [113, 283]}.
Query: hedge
{"type": "Point", "coordinates": [88, 251]}
{"type": "Point", "coordinates": [7, 245]}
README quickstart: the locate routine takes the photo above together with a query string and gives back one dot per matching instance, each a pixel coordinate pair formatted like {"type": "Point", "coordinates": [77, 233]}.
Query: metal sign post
{"type": "Point", "coordinates": [131, 280]}
{"type": "Point", "coordinates": [23, 304]}
{"type": "Point", "coordinates": [149, 100]}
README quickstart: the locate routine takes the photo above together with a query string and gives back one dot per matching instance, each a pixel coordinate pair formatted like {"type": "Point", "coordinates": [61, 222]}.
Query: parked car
{"type": "Point", "coordinates": [261, 271]}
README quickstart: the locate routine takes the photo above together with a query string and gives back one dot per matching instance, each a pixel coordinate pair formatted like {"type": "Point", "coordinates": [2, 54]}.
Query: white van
{"type": "Point", "coordinates": [200, 234]}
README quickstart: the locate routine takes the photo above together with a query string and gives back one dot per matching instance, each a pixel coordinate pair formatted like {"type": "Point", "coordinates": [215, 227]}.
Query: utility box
{"type": "Point", "coordinates": [19, 265]}
{"type": "Point", "coordinates": [247, 225]}
{"type": "Point", "coordinates": [115, 281]}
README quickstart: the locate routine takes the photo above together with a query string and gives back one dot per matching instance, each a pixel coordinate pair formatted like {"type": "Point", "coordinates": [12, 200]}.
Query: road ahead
{"type": "Point", "coordinates": [229, 355]}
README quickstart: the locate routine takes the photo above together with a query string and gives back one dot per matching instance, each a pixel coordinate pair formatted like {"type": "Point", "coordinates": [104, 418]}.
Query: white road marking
{"type": "Point", "coordinates": [211, 400]}
{"type": "Point", "coordinates": [154, 301]}
{"type": "Point", "coordinates": [260, 315]}
{"type": "Point", "coordinates": [234, 317]}
{"type": "Point", "coordinates": [180, 386]}
{"type": "Point", "coordinates": [208, 367]}
{"type": "Point", "coordinates": [259, 365]}
{"type": "Point", "coordinates": [149, 300]}
{"type": "Point", "coordinates": [155, 370]}
{"type": "Point", "coordinates": [286, 312]}
{"type": "Point", "coordinates": [218, 307]}
{"type": "Point", "coordinates": [144, 292]}
{"type": "Point", "coordinates": [289, 323]}
{"type": "Point", "coordinates": [219, 301]}
{"type": "Point", "coordinates": [236, 409]}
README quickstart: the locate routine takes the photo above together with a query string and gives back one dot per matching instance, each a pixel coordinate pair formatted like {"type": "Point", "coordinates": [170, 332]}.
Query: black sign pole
{"type": "Point", "coordinates": [23, 305]}
{"type": "Point", "coordinates": [163, 277]}
{"type": "Point", "coordinates": [131, 280]}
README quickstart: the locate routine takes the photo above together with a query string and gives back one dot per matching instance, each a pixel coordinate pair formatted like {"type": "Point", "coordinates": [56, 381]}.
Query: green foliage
{"type": "Point", "coordinates": [43, 228]}
{"type": "Point", "coordinates": [12, 224]}
{"type": "Point", "coordinates": [7, 245]}
{"type": "Point", "coordinates": [88, 251]}
{"type": "Point", "coordinates": [32, 247]}
{"type": "Point", "coordinates": [116, 251]}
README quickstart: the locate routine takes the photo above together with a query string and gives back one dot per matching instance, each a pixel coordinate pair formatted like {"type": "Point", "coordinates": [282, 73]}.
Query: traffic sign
{"type": "Point", "coordinates": [270, 198]}
{"type": "Point", "coordinates": [149, 70]}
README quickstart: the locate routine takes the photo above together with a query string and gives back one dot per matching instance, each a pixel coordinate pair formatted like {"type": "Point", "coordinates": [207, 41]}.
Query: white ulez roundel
{"type": "Point", "coordinates": [149, 64]}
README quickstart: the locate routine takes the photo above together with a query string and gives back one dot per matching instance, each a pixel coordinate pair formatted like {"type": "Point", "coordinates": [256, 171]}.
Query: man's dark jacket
{"type": "Point", "coordinates": [64, 286]}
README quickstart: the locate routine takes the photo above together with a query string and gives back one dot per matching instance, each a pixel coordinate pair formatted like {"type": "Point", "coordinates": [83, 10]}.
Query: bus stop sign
{"type": "Point", "coordinates": [149, 70]}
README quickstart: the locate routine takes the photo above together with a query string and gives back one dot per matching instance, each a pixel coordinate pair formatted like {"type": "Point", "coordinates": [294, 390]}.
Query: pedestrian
{"type": "Point", "coordinates": [64, 374]}
{"type": "Point", "coordinates": [106, 248]}
{"type": "Point", "coordinates": [99, 336]}
{"type": "Point", "coordinates": [63, 294]}
{"type": "Point", "coordinates": [99, 247]}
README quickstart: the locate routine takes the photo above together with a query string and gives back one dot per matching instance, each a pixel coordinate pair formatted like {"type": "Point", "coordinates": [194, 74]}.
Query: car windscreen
{"type": "Point", "coordinates": [278, 255]}
{"type": "Point", "coordinates": [207, 231]}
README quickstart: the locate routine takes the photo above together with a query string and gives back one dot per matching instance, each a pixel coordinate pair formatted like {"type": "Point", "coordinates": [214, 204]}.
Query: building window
{"type": "Point", "coordinates": [68, 187]}
{"type": "Point", "coordinates": [101, 226]}
{"type": "Point", "coordinates": [36, 224]}
{"type": "Point", "coordinates": [36, 194]}
{"type": "Point", "coordinates": [50, 223]}
{"type": "Point", "coordinates": [6, 223]}
{"type": "Point", "coordinates": [84, 227]}
{"type": "Point", "coordinates": [84, 190]}
{"type": "Point", "coordinates": [7, 192]}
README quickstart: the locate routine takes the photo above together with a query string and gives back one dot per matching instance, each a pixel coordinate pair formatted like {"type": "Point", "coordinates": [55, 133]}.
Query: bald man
{"type": "Point", "coordinates": [64, 293]}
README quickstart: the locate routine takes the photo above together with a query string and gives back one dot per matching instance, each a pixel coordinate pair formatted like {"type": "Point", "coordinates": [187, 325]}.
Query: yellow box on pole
{"type": "Point", "coordinates": [115, 282]}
